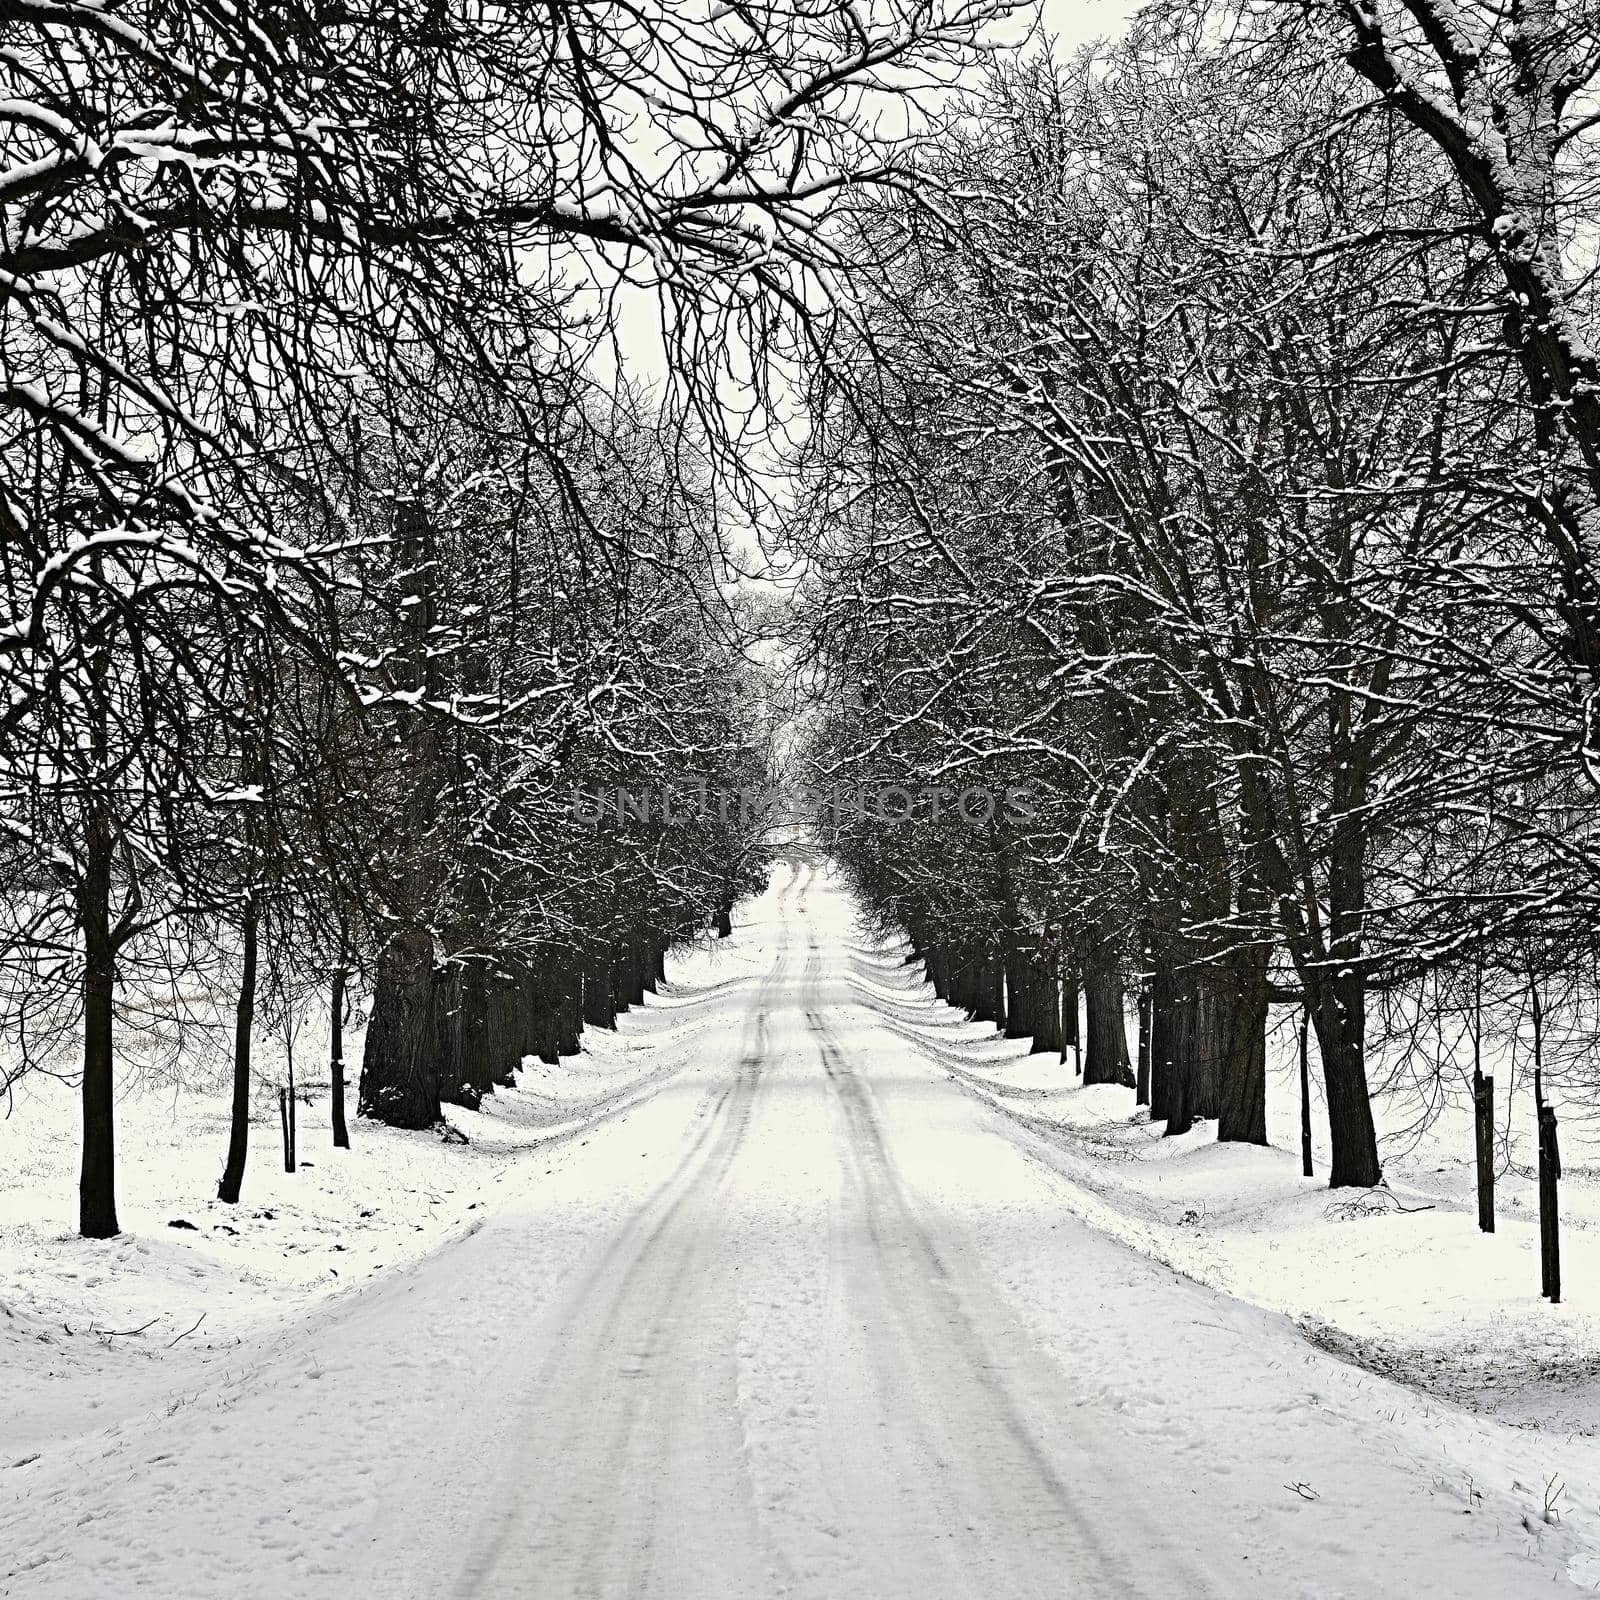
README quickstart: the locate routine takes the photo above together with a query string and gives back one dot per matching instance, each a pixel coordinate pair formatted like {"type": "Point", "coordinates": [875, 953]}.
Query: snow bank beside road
{"type": "Point", "coordinates": [1399, 1280]}
{"type": "Point", "coordinates": [91, 1331]}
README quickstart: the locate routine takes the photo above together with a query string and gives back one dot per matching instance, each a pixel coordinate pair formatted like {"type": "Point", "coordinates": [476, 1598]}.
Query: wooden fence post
{"type": "Point", "coordinates": [1482, 1109]}
{"type": "Point", "coordinates": [1483, 1119]}
{"type": "Point", "coordinates": [1305, 1095]}
{"type": "Point", "coordinates": [1549, 1176]}
{"type": "Point", "coordinates": [1549, 1158]}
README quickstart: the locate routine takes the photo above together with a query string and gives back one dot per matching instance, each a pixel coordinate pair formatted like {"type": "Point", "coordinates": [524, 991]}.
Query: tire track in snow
{"type": "Point", "coordinates": [639, 1454]}
{"type": "Point", "coordinates": [982, 1507]}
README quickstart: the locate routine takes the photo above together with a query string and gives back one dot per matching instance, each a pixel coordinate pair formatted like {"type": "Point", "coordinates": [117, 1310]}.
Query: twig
{"type": "Point", "coordinates": [127, 1333]}
{"type": "Point", "coordinates": [187, 1331]}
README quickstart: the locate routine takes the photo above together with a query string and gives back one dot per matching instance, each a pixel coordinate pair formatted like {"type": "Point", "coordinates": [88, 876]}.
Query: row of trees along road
{"type": "Point", "coordinates": [1211, 455]}
{"type": "Point", "coordinates": [330, 558]}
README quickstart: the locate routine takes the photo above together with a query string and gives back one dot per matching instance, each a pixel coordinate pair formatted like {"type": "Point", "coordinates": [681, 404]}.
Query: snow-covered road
{"type": "Point", "coordinates": [810, 1320]}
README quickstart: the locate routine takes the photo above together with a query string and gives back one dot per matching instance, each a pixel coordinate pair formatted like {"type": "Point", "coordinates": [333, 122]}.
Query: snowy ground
{"type": "Point", "coordinates": [91, 1327]}
{"type": "Point", "coordinates": [800, 1286]}
{"type": "Point", "coordinates": [1402, 1281]}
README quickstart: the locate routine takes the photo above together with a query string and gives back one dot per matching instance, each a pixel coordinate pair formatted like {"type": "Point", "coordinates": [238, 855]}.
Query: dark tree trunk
{"type": "Point", "coordinates": [541, 1010]}
{"type": "Point", "coordinates": [1305, 1097]}
{"type": "Point", "coordinates": [232, 1183]}
{"type": "Point", "coordinates": [984, 1008]}
{"type": "Point", "coordinates": [556, 1011]}
{"type": "Point", "coordinates": [286, 1106]}
{"type": "Point", "coordinates": [994, 992]}
{"type": "Point", "coordinates": [963, 988]}
{"type": "Point", "coordinates": [641, 970]}
{"type": "Point", "coordinates": [1141, 1086]}
{"type": "Point", "coordinates": [1242, 1111]}
{"type": "Point", "coordinates": [466, 1071]}
{"type": "Point", "coordinates": [400, 1064]}
{"type": "Point", "coordinates": [1106, 1059]}
{"type": "Point", "coordinates": [1018, 1010]}
{"type": "Point", "coordinates": [1070, 1037]}
{"type": "Point", "coordinates": [1483, 1126]}
{"type": "Point", "coordinates": [399, 1068]}
{"type": "Point", "coordinates": [619, 977]}
{"type": "Point", "coordinates": [503, 1043]}
{"type": "Point", "coordinates": [1212, 1029]}
{"type": "Point", "coordinates": [599, 1004]}
{"type": "Point", "coordinates": [1178, 1051]}
{"type": "Point", "coordinates": [570, 988]}
{"type": "Point", "coordinates": [1549, 1196]}
{"type": "Point", "coordinates": [1339, 1000]}
{"type": "Point", "coordinates": [341, 1133]}
{"type": "Point", "coordinates": [1242, 1107]}
{"type": "Point", "coordinates": [97, 1176]}
{"type": "Point", "coordinates": [1549, 1159]}
{"type": "Point", "coordinates": [1198, 1017]}
{"type": "Point", "coordinates": [1046, 1011]}
{"type": "Point", "coordinates": [973, 990]}
{"type": "Point", "coordinates": [1339, 1017]}
{"type": "Point", "coordinates": [1163, 1005]}
{"type": "Point", "coordinates": [446, 1019]}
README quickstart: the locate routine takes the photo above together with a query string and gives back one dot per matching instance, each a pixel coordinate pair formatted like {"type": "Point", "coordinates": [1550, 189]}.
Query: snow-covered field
{"type": "Point", "coordinates": [798, 1285]}
{"type": "Point", "coordinates": [88, 1327]}
{"type": "Point", "coordinates": [1401, 1280]}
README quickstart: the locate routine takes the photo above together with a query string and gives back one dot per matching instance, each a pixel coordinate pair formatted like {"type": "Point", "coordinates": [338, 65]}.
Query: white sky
{"type": "Point", "coordinates": [1078, 20]}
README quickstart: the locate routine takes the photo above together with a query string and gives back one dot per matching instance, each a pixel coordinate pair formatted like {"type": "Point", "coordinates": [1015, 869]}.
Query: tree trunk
{"type": "Point", "coordinates": [399, 1068]}
{"type": "Point", "coordinates": [1163, 1003]}
{"type": "Point", "coordinates": [1242, 1102]}
{"type": "Point", "coordinates": [1483, 1123]}
{"type": "Point", "coordinates": [1018, 1010]}
{"type": "Point", "coordinates": [548, 1007]}
{"type": "Point", "coordinates": [1141, 1086]}
{"type": "Point", "coordinates": [1046, 1011]}
{"type": "Point", "coordinates": [1549, 1197]}
{"type": "Point", "coordinates": [1340, 994]}
{"type": "Point", "coordinates": [619, 976]}
{"type": "Point", "coordinates": [504, 1044]}
{"type": "Point", "coordinates": [638, 968]}
{"type": "Point", "coordinates": [341, 1133]}
{"type": "Point", "coordinates": [1182, 1022]}
{"type": "Point", "coordinates": [570, 988]}
{"type": "Point", "coordinates": [479, 1060]}
{"type": "Point", "coordinates": [447, 1008]}
{"type": "Point", "coordinates": [1106, 1059]}
{"type": "Point", "coordinates": [290, 1123]}
{"type": "Point", "coordinates": [1339, 1017]}
{"type": "Point", "coordinates": [994, 992]}
{"type": "Point", "coordinates": [97, 1176]}
{"type": "Point", "coordinates": [962, 990]}
{"type": "Point", "coordinates": [1069, 1020]}
{"type": "Point", "coordinates": [1242, 1106]}
{"type": "Point", "coordinates": [599, 1004]}
{"type": "Point", "coordinates": [232, 1183]}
